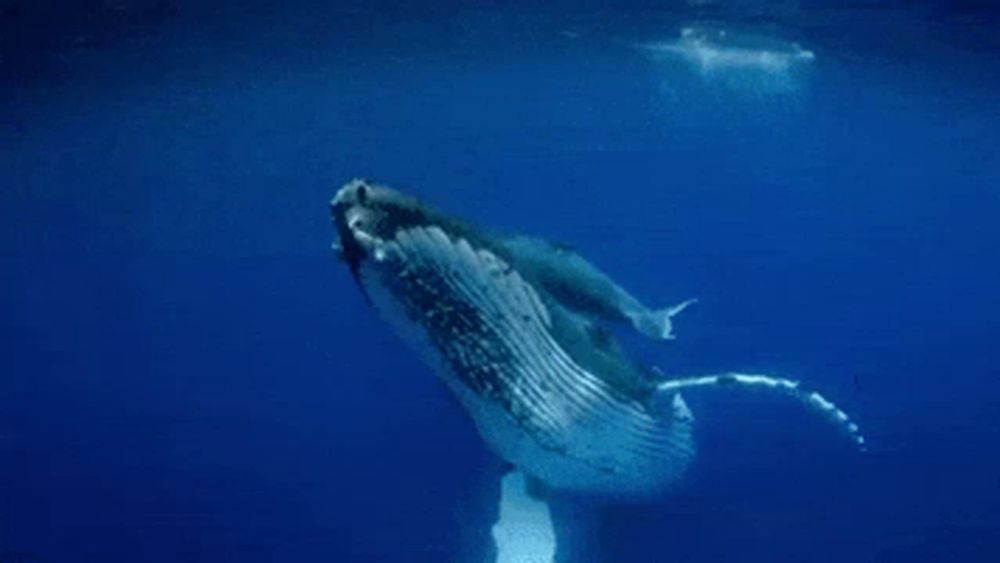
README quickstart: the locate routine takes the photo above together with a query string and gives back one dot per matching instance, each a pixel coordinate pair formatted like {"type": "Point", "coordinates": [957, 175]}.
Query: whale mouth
{"type": "Point", "coordinates": [357, 228]}
{"type": "Point", "coordinates": [353, 243]}
{"type": "Point", "coordinates": [356, 245]}
{"type": "Point", "coordinates": [362, 214]}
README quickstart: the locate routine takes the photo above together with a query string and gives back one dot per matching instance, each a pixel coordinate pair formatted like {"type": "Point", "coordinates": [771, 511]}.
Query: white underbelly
{"type": "Point", "coordinates": [540, 411]}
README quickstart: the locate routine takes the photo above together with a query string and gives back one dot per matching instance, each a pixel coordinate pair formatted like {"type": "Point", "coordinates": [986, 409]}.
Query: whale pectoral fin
{"type": "Point", "coordinates": [812, 400]}
{"type": "Point", "coordinates": [523, 532]}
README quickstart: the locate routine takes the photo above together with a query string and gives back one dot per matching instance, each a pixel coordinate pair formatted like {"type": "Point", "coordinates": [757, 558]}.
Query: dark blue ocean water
{"type": "Point", "coordinates": [188, 374]}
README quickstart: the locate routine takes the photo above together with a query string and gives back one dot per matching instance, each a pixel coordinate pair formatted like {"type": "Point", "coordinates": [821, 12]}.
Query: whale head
{"type": "Point", "coordinates": [366, 216]}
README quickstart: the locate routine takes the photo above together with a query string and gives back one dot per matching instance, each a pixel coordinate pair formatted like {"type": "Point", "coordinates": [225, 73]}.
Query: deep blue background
{"type": "Point", "coordinates": [187, 374]}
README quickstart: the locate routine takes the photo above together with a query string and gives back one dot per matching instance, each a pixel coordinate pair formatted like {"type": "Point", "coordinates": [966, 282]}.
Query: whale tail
{"type": "Point", "coordinates": [523, 532]}
{"type": "Point", "coordinates": [658, 324]}
{"type": "Point", "coordinates": [812, 400]}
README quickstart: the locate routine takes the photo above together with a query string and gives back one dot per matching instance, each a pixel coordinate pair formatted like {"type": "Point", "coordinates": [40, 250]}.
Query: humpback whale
{"type": "Point", "coordinates": [520, 330]}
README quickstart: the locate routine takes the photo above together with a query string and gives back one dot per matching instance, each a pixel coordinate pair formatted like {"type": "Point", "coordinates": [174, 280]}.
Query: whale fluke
{"type": "Point", "coordinates": [523, 532]}
{"type": "Point", "coordinates": [657, 324]}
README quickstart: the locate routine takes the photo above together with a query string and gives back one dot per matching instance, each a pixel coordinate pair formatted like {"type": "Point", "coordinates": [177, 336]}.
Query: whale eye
{"type": "Point", "coordinates": [362, 195]}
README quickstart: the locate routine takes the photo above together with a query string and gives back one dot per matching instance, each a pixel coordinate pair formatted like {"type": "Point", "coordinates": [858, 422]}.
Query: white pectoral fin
{"type": "Point", "coordinates": [523, 533]}
{"type": "Point", "coordinates": [812, 400]}
{"type": "Point", "coordinates": [658, 324]}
